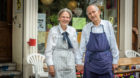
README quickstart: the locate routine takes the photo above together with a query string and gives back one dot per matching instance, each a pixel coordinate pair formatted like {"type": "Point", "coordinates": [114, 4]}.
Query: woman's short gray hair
{"type": "Point", "coordinates": [65, 10]}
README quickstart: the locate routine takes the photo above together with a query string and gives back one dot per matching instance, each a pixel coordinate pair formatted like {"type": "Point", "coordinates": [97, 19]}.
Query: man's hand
{"type": "Point", "coordinates": [114, 67]}
{"type": "Point", "coordinates": [51, 70]}
{"type": "Point", "coordinates": [79, 67]}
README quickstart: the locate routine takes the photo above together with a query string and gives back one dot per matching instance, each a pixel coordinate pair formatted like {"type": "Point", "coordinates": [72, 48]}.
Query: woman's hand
{"type": "Point", "coordinates": [79, 67]}
{"type": "Point", "coordinates": [51, 70]}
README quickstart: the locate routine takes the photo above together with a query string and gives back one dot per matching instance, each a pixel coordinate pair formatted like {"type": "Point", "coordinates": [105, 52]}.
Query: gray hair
{"type": "Point", "coordinates": [65, 10]}
{"type": "Point", "coordinates": [95, 5]}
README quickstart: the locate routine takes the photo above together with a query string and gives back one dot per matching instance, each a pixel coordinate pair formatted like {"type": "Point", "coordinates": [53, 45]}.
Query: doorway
{"type": "Point", "coordinates": [5, 31]}
{"type": "Point", "coordinates": [135, 26]}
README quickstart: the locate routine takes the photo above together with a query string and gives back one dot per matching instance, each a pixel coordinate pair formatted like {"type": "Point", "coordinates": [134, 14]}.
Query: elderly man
{"type": "Point", "coordinates": [100, 47]}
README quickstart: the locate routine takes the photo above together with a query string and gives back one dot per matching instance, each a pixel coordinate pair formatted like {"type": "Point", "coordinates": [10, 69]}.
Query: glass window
{"type": "Point", "coordinates": [78, 7]}
{"type": "Point", "coordinates": [110, 13]}
{"type": "Point", "coordinates": [3, 10]}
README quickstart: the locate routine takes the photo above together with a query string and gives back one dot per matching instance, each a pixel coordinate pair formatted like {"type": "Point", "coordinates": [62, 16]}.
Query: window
{"type": "Point", "coordinates": [109, 11]}
{"type": "Point", "coordinates": [3, 10]}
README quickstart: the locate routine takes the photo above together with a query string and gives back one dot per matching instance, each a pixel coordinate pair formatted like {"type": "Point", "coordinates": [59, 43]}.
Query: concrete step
{"type": "Point", "coordinates": [10, 73]}
{"type": "Point", "coordinates": [7, 66]}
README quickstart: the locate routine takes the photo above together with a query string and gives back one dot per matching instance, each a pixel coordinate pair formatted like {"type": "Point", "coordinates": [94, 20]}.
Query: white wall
{"type": "Point", "coordinates": [30, 31]}
{"type": "Point", "coordinates": [125, 26]}
{"type": "Point", "coordinates": [24, 28]}
{"type": "Point", "coordinates": [17, 36]}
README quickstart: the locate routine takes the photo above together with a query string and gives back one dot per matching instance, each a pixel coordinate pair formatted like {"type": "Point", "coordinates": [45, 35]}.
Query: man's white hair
{"type": "Point", "coordinates": [95, 5]}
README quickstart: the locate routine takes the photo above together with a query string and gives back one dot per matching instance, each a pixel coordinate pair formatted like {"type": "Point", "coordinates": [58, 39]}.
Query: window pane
{"type": "Point", "coordinates": [3, 10]}
{"type": "Point", "coordinates": [110, 13]}
{"type": "Point", "coordinates": [79, 19]}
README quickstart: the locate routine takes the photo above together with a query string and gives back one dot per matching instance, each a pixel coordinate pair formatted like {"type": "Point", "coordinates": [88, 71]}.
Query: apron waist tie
{"type": "Point", "coordinates": [98, 51]}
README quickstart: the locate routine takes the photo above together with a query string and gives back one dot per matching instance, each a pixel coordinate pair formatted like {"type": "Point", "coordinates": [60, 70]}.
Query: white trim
{"type": "Point", "coordinates": [17, 36]}
{"type": "Point", "coordinates": [125, 25]}
{"type": "Point", "coordinates": [30, 31]}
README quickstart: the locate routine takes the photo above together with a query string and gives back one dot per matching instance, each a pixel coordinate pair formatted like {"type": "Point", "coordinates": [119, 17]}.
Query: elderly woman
{"type": "Point", "coordinates": [62, 48]}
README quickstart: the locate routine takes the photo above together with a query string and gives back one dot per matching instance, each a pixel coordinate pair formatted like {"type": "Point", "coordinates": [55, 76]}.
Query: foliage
{"type": "Point", "coordinates": [53, 19]}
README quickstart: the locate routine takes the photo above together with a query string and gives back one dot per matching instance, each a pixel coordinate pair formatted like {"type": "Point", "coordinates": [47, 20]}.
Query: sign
{"type": "Point", "coordinates": [41, 22]}
{"type": "Point", "coordinates": [78, 22]}
{"type": "Point", "coordinates": [19, 6]}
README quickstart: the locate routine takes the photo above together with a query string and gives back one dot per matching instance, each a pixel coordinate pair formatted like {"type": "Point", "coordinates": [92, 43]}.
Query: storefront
{"type": "Point", "coordinates": [29, 23]}
{"type": "Point", "coordinates": [48, 9]}
{"type": "Point", "coordinates": [116, 11]}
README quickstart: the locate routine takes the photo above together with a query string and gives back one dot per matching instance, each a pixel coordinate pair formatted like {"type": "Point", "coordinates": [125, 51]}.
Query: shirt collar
{"type": "Point", "coordinates": [61, 30]}
{"type": "Point", "coordinates": [101, 23]}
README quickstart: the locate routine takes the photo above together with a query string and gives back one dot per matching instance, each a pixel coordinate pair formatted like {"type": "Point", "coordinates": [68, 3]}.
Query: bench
{"type": "Point", "coordinates": [127, 62]}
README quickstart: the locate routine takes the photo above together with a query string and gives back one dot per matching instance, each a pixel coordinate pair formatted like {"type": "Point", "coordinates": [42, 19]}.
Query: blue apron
{"type": "Point", "coordinates": [98, 57]}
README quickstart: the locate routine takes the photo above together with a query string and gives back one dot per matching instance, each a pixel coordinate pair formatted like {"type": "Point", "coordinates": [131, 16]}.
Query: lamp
{"type": "Point", "coordinates": [46, 2]}
{"type": "Point", "coordinates": [72, 5]}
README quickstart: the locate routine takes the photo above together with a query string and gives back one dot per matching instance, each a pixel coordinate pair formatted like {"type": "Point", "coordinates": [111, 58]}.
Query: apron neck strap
{"type": "Point", "coordinates": [94, 26]}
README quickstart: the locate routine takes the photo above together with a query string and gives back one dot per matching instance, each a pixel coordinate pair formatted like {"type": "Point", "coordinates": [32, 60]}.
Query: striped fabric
{"type": "Point", "coordinates": [63, 58]}
{"type": "Point", "coordinates": [64, 64]}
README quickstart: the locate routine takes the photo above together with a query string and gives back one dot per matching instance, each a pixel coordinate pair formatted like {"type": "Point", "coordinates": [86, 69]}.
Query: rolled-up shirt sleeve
{"type": "Point", "coordinates": [49, 48]}
{"type": "Point", "coordinates": [113, 45]}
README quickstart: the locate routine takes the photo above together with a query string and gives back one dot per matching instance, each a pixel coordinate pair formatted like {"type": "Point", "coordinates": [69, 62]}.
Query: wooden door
{"type": "Point", "coordinates": [5, 30]}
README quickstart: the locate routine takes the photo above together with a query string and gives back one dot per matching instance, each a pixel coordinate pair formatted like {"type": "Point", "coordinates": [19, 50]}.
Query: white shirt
{"type": "Point", "coordinates": [108, 29]}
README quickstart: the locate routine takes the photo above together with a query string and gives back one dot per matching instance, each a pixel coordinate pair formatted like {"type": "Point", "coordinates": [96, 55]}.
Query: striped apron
{"type": "Point", "coordinates": [64, 60]}
{"type": "Point", "coordinates": [98, 57]}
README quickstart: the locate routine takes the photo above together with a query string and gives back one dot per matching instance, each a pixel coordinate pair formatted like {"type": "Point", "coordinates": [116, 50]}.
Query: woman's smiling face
{"type": "Point", "coordinates": [64, 18]}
